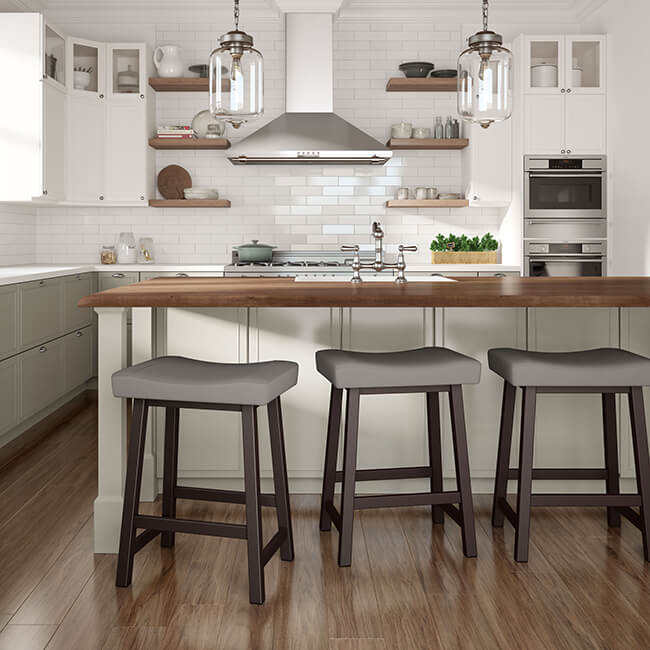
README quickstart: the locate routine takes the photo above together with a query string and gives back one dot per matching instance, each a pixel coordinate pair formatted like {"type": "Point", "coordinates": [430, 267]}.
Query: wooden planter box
{"type": "Point", "coordinates": [461, 257]}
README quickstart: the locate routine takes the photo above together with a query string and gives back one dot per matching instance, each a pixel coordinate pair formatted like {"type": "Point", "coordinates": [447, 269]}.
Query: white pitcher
{"type": "Point", "coordinates": [168, 62]}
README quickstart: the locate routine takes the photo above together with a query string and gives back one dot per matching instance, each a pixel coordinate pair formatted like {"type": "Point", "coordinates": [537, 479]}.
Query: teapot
{"type": "Point", "coordinates": [168, 62]}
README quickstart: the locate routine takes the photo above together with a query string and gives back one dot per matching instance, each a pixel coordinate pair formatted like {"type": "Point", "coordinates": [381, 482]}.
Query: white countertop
{"type": "Point", "coordinates": [32, 272]}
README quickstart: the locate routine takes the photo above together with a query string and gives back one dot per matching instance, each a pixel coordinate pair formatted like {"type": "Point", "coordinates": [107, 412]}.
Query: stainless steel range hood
{"type": "Point", "coordinates": [309, 132]}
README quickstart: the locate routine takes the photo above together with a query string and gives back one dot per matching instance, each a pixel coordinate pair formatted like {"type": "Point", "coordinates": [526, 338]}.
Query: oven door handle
{"type": "Point", "coordinates": [592, 221]}
{"type": "Point", "coordinates": [534, 258]}
{"type": "Point", "coordinates": [565, 175]}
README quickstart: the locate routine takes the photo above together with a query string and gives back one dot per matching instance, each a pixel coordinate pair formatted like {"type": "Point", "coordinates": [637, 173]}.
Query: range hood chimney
{"type": "Point", "coordinates": [309, 132]}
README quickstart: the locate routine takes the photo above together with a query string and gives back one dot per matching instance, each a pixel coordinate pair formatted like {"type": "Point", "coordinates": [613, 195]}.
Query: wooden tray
{"type": "Point", "coordinates": [172, 180]}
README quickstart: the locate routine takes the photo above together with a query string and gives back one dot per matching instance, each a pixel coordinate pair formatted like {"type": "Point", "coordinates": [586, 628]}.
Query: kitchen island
{"type": "Point", "coordinates": [256, 319]}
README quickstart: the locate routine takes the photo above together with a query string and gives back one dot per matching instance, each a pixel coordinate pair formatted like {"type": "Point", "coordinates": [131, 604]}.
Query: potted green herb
{"type": "Point", "coordinates": [464, 250]}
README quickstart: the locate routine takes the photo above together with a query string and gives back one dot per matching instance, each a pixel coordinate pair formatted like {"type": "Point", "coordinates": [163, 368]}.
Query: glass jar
{"type": "Point", "coordinates": [145, 250]}
{"type": "Point", "coordinates": [107, 254]}
{"type": "Point", "coordinates": [126, 251]}
{"type": "Point", "coordinates": [206, 125]}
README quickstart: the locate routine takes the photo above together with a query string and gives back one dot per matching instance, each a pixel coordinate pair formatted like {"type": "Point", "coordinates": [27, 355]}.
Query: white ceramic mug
{"type": "Point", "coordinates": [432, 193]}
{"type": "Point", "coordinates": [421, 193]}
{"type": "Point", "coordinates": [403, 194]}
{"type": "Point", "coordinates": [168, 62]}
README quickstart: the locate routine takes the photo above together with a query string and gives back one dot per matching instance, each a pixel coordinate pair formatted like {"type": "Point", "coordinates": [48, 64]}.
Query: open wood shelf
{"type": "Point", "coordinates": [422, 85]}
{"type": "Point", "coordinates": [183, 84]}
{"type": "Point", "coordinates": [427, 203]}
{"type": "Point", "coordinates": [189, 203]}
{"type": "Point", "coordinates": [427, 143]}
{"type": "Point", "coordinates": [189, 143]}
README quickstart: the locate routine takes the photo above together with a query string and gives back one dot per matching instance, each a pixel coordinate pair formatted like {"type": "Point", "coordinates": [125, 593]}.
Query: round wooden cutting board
{"type": "Point", "coordinates": [172, 180]}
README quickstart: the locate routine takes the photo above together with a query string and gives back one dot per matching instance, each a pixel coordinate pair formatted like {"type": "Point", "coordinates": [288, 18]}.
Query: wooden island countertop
{"type": "Point", "coordinates": [466, 292]}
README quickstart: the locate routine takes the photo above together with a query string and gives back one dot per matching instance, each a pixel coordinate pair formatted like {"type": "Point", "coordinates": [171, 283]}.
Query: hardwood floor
{"type": "Point", "coordinates": [409, 587]}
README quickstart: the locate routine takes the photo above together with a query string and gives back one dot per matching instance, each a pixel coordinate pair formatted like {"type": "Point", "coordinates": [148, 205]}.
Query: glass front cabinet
{"type": "Point", "coordinates": [564, 64]}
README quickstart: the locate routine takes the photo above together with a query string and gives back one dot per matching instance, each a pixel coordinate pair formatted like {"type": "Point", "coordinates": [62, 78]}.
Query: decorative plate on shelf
{"type": "Point", "coordinates": [173, 180]}
{"type": "Point", "coordinates": [445, 74]}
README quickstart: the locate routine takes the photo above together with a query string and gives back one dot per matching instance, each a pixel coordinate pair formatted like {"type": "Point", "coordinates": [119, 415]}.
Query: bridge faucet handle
{"type": "Point", "coordinates": [407, 249]}
{"type": "Point", "coordinates": [401, 262]}
{"type": "Point", "coordinates": [356, 261]}
{"type": "Point", "coordinates": [348, 247]}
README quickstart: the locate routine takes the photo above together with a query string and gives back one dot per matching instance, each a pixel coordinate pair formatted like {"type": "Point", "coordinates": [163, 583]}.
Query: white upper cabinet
{"type": "Point", "coordinates": [487, 165]}
{"type": "Point", "coordinates": [564, 64]}
{"type": "Point", "coordinates": [564, 95]}
{"type": "Point", "coordinates": [21, 108]}
{"type": "Point", "coordinates": [86, 67]}
{"type": "Point", "coordinates": [55, 141]}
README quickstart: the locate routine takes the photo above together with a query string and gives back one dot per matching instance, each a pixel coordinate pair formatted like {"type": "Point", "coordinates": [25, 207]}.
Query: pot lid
{"type": "Point", "coordinates": [254, 244]}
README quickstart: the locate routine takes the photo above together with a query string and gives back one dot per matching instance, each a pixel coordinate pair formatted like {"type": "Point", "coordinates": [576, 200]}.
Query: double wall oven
{"type": "Point", "coordinates": [565, 216]}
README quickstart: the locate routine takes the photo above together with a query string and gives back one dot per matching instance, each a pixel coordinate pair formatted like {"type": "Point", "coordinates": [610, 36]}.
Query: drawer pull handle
{"type": "Point", "coordinates": [117, 275]}
{"type": "Point", "coordinates": [182, 275]}
{"type": "Point", "coordinates": [41, 283]}
{"type": "Point", "coordinates": [499, 275]}
{"type": "Point", "coordinates": [42, 349]}
{"type": "Point", "coordinates": [79, 334]}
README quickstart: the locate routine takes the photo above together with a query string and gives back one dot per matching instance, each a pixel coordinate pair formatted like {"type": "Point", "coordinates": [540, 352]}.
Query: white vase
{"type": "Point", "coordinates": [168, 62]}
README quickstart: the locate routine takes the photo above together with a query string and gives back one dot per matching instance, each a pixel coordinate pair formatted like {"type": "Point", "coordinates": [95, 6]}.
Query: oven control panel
{"type": "Point", "coordinates": [565, 248]}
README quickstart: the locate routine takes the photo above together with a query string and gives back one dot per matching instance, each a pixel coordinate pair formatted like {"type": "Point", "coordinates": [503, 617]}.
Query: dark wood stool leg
{"type": "Point", "coordinates": [524, 488]}
{"type": "Point", "coordinates": [435, 452]}
{"type": "Point", "coordinates": [349, 471]}
{"type": "Point", "coordinates": [132, 493]}
{"type": "Point", "coordinates": [611, 454]}
{"type": "Point", "coordinates": [280, 480]}
{"type": "Point", "coordinates": [253, 509]}
{"type": "Point", "coordinates": [170, 471]}
{"type": "Point", "coordinates": [461, 459]}
{"type": "Point", "coordinates": [331, 454]}
{"type": "Point", "coordinates": [641, 462]}
{"type": "Point", "coordinates": [503, 454]}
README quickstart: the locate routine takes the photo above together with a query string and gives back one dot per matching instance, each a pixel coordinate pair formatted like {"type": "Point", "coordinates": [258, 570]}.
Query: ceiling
{"type": "Point", "coordinates": [511, 11]}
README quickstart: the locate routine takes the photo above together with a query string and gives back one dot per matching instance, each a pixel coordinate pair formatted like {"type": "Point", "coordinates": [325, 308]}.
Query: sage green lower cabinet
{"type": "Point", "coordinates": [9, 394]}
{"type": "Point", "coordinates": [78, 350]}
{"type": "Point", "coordinates": [41, 311]}
{"type": "Point", "coordinates": [75, 287]}
{"type": "Point", "coordinates": [42, 376]}
{"type": "Point", "coordinates": [8, 321]}
{"type": "Point", "coordinates": [116, 279]}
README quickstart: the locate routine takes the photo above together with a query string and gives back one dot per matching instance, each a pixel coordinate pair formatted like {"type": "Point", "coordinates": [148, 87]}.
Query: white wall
{"type": "Point", "coordinates": [17, 235]}
{"type": "Point", "coordinates": [626, 23]}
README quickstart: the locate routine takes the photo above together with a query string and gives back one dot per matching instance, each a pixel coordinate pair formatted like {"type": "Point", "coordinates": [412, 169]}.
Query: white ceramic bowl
{"type": "Point", "coordinates": [200, 193]}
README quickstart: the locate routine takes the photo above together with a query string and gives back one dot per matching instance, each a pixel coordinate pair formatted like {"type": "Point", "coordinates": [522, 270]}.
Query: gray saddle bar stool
{"type": "Point", "coordinates": [425, 370]}
{"type": "Point", "coordinates": [607, 371]}
{"type": "Point", "coordinates": [179, 383]}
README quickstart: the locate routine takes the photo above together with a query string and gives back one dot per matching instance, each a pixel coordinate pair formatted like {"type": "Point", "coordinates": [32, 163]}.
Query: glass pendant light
{"type": "Point", "coordinates": [484, 78]}
{"type": "Point", "coordinates": [236, 77]}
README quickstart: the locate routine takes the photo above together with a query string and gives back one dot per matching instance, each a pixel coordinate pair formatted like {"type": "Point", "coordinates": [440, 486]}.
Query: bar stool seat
{"type": "Point", "coordinates": [191, 380]}
{"type": "Point", "coordinates": [425, 370]}
{"type": "Point", "coordinates": [607, 371]}
{"type": "Point", "coordinates": [602, 366]}
{"type": "Point", "coordinates": [176, 383]}
{"type": "Point", "coordinates": [421, 367]}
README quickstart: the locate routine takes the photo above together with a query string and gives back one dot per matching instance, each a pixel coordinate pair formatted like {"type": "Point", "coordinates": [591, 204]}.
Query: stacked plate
{"type": "Point", "coordinates": [200, 193]}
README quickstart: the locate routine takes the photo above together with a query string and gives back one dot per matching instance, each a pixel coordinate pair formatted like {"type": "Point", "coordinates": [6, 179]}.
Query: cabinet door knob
{"type": "Point", "coordinates": [475, 198]}
{"type": "Point", "coordinates": [568, 90]}
{"type": "Point", "coordinates": [44, 192]}
{"type": "Point", "coordinates": [102, 96]}
{"type": "Point", "coordinates": [117, 275]}
{"type": "Point", "coordinates": [42, 349]}
{"type": "Point", "coordinates": [79, 334]}
{"type": "Point", "coordinates": [568, 150]}
{"type": "Point", "coordinates": [563, 151]}
{"type": "Point", "coordinates": [101, 197]}
{"type": "Point", "coordinates": [141, 96]}
{"type": "Point", "coordinates": [562, 90]}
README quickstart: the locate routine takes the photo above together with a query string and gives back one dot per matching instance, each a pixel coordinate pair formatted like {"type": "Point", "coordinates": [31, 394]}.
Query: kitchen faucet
{"type": "Point", "coordinates": [379, 264]}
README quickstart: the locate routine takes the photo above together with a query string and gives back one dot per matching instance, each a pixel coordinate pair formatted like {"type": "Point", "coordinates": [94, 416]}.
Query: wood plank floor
{"type": "Point", "coordinates": [409, 586]}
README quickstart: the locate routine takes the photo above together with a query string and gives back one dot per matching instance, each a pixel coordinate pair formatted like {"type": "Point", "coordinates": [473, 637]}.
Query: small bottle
{"type": "Point", "coordinates": [449, 128]}
{"type": "Point", "coordinates": [456, 129]}
{"type": "Point", "coordinates": [439, 129]}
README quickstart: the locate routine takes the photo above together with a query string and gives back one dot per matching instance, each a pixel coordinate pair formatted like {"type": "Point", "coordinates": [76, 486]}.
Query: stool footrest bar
{"type": "Point", "coordinates": [144, 538]}
{"type": "Point", "coordinates": [192, 526]}
{"type": "Point", "coordinates": [274, 544]}
{"type": "Point", "coordinates": [562, 474]}
{"type": "Point", "coordinates": [388, 473]}
{"type": "Point", "coordinates": [453, 512]}
{"type": "Point", "coordinates": [583, 500]}
{"type": "Point", "coordinates": [410, 499]}
{"type": "Point", "coordinates": [508, 511]}
{"type": "Point", "coordinates": [220, 496]}
{"type": "Point", "coordinates": [334, 514]}
{"type": "Point", "coordinates": [631, 515]}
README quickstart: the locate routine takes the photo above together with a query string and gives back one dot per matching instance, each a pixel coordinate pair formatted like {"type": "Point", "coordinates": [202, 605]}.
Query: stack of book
{"type": "Point", "coordinates": [165, 132]}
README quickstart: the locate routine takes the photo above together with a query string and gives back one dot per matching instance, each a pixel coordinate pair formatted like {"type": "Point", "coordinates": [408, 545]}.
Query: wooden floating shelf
{"type": "Point", "coordinates": [427, 143]}
{"type": "Point", "coordinates": [189, 143]}
{"type": "Point", "coordinates": [422, 85]}
{"type": "Point", "coordinates": [428, 203]}
{"type": "Point", "coordinates": [179, 84]}
{"type": "Point", "coordinates": [189, 203]}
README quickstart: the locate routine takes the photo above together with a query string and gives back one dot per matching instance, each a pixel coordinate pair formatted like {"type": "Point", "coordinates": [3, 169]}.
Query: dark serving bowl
{"type": "Point", "coordinates": [416, 68]}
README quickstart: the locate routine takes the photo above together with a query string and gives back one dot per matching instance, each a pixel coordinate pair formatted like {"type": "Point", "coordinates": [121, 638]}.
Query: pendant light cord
{"type": "Point", "coordinates": [237, 14]}
{"type": "Point", "coordinates": [485, 15]}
